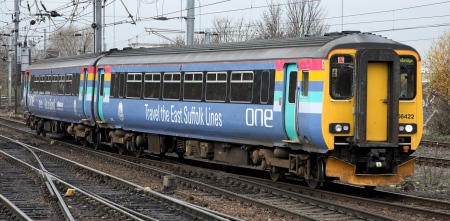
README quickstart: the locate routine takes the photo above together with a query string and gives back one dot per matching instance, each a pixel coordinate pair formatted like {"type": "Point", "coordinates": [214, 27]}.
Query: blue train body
{"type": "Point", "coordinates": [290, 106]}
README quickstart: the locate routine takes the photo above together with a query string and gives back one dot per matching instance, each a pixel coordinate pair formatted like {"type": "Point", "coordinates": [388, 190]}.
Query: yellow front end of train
{"type": "Point", "coordinates": [372, 115]}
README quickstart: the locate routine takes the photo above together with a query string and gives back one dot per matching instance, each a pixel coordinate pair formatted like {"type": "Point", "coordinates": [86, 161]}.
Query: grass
{"type": "Point", "coordinates": [435, 137]}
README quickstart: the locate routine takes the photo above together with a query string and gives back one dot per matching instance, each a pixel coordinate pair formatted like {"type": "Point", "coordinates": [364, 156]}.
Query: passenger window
{"type": "Point", "coordinates": [171, 86]}
{"type": "Point", "coordinates": [102, 85]}
{"type": "Point", "coordinates": [134, 82]}
{"type": "Point", "coordinates": [265, 87]}
{"type": "Point", "coordinates": [241, 87]}
{"type": "Point", "coordinates": [112, 85]}
{"type": "Point", "coordinates": [216, 86]}
{"type": "Point", "coordinates": [54, 84]}
{"type": "Point", "coordinates": [68, 85]}
{"type": "Point", "coordinates": [48, 84]}
{"type": "Point", "coordinates": [152, 84]}
{"type": "Point", "coordinates": [61, 82]}
{"type": "Point", "coordinates": [33, 85]}
{"type": "Point", "coordinates": [407, 78]}
{"type": "Point", "coordinates": [121, 84]}
{"type": "Point", "coordinates": [193, 83]}
{"type": "Point", "coordinates": [76, 84]}
{"type": "Point", "coordinates": [341, 77]}
{"type": "Point", "coordinates": [42, 83]}
{"type": "Point", "coordinates": [305, 83]}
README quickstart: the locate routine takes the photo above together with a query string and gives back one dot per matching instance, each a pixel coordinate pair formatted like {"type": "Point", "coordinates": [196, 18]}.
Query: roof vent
{"type": "Point", "coordinates": [350, 32]}
{"type": "Point", "coordinates": [332, 34]}
{"type": "Point", "coordinates": [113, 49]}
{"type": "Point", "coordinates": [341, 33]}
{"type": "Point", "coordinates": [127, 48]}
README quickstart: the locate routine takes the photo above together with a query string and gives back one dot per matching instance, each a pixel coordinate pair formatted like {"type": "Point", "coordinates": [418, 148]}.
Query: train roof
{"type": "Point", "coordinates": [309, 47]}
{"type": "Point", "coordinates": [292, 48]}
{"type": "Point", "coordinates": [66, 62]}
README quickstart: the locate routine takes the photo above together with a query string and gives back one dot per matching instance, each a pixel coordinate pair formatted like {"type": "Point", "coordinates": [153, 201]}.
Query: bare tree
{"type": "Point", "coordinates": [223, 28]}
{"type": "Point", "coordinates": [270, 25]}
{"type": "Point", "coordinates": [72, 40]}
{"type": "Point", "coordinates": [228, 30]}
{"type": "Point", "coordinates": [305, 17]}
{"type": "Point", "coordinates": [243, 30]}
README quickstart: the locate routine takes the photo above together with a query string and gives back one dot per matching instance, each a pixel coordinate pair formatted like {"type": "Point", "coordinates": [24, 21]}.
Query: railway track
{"type": "Point", "coordinates": [357, 197]}
{"type": "Point", "coordinates": [429, 143]}
{"type": "Point", "coordinates": [9, 211]}
{"type": "Point", "coordinates": [444, 163]}
{"type": "Point", "coordinates": [24, 189]}
{"type": "Point", "coordinates": [100, 196]}
{"type": "Point", "coordinates": [243, 186]}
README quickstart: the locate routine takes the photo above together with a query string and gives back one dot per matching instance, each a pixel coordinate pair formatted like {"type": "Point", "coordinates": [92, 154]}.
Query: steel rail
{"type": "Point", "coordinates": [52, 176]}
{"type": "Point", "coordinates": [16, 212]}
{"type": "Point", "coordinates": [163, 198]}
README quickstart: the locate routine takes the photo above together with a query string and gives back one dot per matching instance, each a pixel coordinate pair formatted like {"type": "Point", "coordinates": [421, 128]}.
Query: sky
{"type": "Point", "coordinates": [413, 22]}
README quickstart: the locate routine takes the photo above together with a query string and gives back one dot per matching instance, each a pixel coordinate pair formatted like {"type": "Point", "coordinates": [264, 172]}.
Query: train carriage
{"type": "Point", "coordinates": [57, 94]}
{"type": "Point", "coordinates": [342, 106]}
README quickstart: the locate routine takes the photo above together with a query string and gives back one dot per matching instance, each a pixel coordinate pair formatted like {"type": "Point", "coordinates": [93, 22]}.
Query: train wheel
{"type": "Point", "coordinates": [275, 174]}
{"type": "Point", "coordinates": [121, 149]}
{"type": "Point", "coordinates": [180, 155]}
{"type": "Point", "coordinates": [84, 142]}
{"type": "Point", "coordinates": [38, 132]}
{"type": "Point", "coordinates": [370, 188]}
{"type": "Point", "coordinates": [98, 142]}
{"type": "Point", "coordinates": [317, 174]}
{"type": "Point", "coordinates": [138, 152]}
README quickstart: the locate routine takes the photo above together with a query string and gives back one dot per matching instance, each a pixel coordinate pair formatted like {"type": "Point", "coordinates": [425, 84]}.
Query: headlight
{"type": "Point", "coordinates": [339, 128]}
{"type": "Point", "coordinates": [407, 128]}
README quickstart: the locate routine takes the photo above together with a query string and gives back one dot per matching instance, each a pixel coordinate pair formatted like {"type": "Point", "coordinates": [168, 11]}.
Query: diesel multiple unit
{"type": "Point", "coordinates": [342, 106]}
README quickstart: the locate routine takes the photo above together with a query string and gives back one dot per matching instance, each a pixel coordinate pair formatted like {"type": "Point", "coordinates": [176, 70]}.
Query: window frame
{"type": "Point", "coordinates": [305, 83]}
{"type": "Point", "coordinates": [171, 81]}
{"type": "Point", "coordinates": [216, 81]}
{"type": "Point", "coordinates": [241, 81]}
{"type": "Point", "coordinates": [193, 81]}
{"type": "Point", "coordinates": [133, 81]}
{"type": "Point", "coordinates": [338, 66]}
{"type": "Point", "coordinates": [414, 73]}
{"type": "Point", "coordinates": [153, 74]}
{"type": "Point", "coordinates": [263, 85]}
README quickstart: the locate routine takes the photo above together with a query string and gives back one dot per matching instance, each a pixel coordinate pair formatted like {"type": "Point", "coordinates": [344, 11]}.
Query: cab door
{"type": "Point", "coordinates": [290, 113]}
{"type": "Point", "coordinates": [377, 98]}
{"type": "Point", "coordinates": [377, 107]}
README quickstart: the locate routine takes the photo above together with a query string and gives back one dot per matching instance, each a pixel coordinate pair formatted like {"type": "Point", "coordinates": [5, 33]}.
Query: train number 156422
{"type": "Point", "coordinates": [405, 116]}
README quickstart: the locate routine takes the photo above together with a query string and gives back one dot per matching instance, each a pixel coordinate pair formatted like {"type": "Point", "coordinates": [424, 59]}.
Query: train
{"type": "Point", "coordinates": [343, 106]}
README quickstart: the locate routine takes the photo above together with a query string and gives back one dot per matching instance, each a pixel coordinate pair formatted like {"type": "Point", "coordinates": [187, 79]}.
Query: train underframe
{"type": "Point", "coordinates": [369, 167]}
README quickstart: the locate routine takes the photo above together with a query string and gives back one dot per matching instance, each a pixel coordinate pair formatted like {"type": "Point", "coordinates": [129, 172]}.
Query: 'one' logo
{"type": "Point", "coordinates": [120, 111]}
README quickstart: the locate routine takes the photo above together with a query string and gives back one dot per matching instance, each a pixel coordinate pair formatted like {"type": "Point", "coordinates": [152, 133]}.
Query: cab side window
{"type": "Point", "coordinates": [341, 77]}
{"type": "Point", "coordinates": [407, 78]}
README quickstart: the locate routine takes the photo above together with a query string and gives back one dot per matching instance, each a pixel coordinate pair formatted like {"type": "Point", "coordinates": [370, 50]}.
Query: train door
{"type": "Point", "coordinates": [377, 98]}
{"type": "Point", "coordinates": [26, 89]}
{"type": "Point", "coordinates": [377, 120]}
{"type": "Point", "coordinates": [290, 113]}
{"type": "Point", "coordinates": [84, 92]}
{"type": "Point", "coordinates": [99, 93]}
